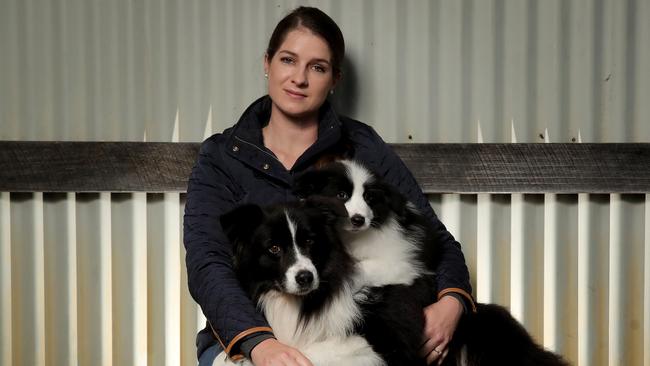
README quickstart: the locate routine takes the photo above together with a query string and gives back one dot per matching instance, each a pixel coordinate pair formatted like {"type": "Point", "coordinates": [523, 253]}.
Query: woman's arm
{"type": "Point", "coordinates": [212, 281]}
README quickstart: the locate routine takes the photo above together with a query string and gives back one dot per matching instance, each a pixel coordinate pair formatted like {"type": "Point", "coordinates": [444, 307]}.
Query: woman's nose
{"type": "Point", "coordinates": [300, 77]}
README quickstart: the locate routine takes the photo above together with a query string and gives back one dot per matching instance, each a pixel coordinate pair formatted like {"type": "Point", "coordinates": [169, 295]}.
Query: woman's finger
{"type": "Point", "coordinates": [443, 356]}
{"type": "Point", "coordinates": [427, 347]}
{"type": "Point", "coordinates": [433, 355]}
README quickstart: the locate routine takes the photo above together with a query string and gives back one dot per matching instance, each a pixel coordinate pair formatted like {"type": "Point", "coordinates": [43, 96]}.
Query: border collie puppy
{"type": "Point", "coordinates": [393, 244]}
{"type": "Point", "coordinates": [290, 260]}
{"type": "Point", "coordinates": [389, 237]}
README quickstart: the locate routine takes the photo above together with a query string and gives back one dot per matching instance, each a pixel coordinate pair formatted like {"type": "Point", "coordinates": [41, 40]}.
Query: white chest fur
{"type": "Point", "coordinates": [336, 320]}
{"type": "Point", "coordinates": [327, 340]}
{"type": "Point", "coordinates": [386, 256]}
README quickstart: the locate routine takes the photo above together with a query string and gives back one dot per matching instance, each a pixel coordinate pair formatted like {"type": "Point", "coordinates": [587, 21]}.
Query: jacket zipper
{"type": "Point", "coordinates": [258, 148]}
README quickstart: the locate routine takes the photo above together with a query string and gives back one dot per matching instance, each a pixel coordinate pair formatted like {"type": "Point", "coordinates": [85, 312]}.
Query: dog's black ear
{"type": "Point", "coordinates": [331, 209]}
{"type": "Point", "coordinates": [309, 183]}
{"type": "Point", "coordinates": [239, 224]}
{"type": "Point", "coordinates": [380, 192]}
{"type": "Point", "coordinates": [396, 200]}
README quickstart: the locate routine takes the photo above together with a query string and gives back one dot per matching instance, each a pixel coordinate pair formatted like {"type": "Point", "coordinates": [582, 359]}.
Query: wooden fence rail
{"type": "Point", "coordinates": [35, 166]}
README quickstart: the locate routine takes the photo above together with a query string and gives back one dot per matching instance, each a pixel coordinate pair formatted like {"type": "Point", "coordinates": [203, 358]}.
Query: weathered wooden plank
{"type": "Point", "coordinates": [529, 168]}
{"type": "Point", "coordinates": [30, 166]}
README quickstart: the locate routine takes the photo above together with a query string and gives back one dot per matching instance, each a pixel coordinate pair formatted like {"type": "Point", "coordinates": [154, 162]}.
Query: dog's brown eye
{"type": "Point", "coordinates": [274, 249]}
{"type": "Point", "coordinates": [342, 195]}
{"type": "Point", "coordinates": [309, 242]}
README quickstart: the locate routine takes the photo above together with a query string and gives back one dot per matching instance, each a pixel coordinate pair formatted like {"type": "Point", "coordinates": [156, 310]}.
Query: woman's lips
{"type": "Point", "coordinates": [295, 94]}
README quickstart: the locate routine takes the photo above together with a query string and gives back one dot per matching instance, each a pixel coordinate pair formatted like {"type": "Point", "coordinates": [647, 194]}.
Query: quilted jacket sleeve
{"type": "Point", "coordinates": [452, 274]}
{"type": "Point", "coordinates": [212, 281]}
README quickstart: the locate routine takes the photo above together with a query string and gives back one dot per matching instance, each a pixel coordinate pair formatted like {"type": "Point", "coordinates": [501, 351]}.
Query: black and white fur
{"type": "Point", "coordinates": [290, 260]}
{"type": "Point", "coordinates": [387, 235]}
{"type": "Point", "coordinates": [396, 250]}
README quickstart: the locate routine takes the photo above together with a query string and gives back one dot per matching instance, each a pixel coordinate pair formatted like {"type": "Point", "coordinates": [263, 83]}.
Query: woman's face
{"type": "Point", "coordinates": [300, 74]}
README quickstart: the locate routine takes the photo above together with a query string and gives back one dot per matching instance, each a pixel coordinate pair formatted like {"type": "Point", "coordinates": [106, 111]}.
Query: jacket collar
{"type": "Point", "coordinates": [245, 142]}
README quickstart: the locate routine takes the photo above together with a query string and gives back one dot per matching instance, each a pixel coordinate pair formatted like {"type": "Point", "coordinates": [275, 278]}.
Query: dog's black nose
{"type": "Point", "coordinates": [357, 220]}
{"type": "Point", "coordinates": [304, 278]}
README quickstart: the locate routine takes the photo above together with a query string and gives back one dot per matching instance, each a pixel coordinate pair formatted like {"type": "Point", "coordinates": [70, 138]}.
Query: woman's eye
{"type": "Point", "coordinates": [342, 195]}
{"type": "Point", "coordinates": [274, 249]}
{"type": "Point", "coordinates": [319, 68]}
{"type": "Point", "coordinates": [286, 60]}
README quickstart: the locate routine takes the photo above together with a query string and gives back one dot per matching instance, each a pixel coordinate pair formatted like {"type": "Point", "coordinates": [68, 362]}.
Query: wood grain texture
{"type": "Point", "coordinates": [30, 166]}
{"type": "Point", "coordinates": [529, 168]}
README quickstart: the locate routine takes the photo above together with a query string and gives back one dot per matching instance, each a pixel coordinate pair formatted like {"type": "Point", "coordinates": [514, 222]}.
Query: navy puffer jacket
{"type": "Point", "coordinates": [235, 168]}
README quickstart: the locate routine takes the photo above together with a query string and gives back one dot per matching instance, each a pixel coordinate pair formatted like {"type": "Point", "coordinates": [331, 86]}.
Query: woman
{"type": "Point", "coordinates": [279, 136]}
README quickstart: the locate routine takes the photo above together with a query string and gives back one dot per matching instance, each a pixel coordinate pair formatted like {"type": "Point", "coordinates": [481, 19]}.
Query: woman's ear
{"type": "Point", "coordinates": [267, 64]}
{"type": "Point", "coordinates": [337, 77]}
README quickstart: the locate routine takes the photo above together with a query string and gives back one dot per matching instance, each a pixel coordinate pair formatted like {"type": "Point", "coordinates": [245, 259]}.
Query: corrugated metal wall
{"type": "Point", "coordinates": [99, 278]}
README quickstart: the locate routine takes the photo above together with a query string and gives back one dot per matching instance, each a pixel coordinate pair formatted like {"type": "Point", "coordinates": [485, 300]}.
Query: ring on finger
{"type": "Point", "coordinates": [437, 352]}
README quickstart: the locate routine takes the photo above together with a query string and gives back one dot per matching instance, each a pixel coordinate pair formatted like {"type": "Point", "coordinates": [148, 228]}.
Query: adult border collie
{"type": "Point", "coordinates": [396, 252]}
{"type": "Point", "coordinates": [290, 260]}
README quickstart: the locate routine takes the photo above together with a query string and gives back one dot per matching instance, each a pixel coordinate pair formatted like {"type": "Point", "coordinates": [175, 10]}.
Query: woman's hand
{"type": "Point", "coordinates": [270, 352]}
{"type": "Point", "coordinates": [440, 321]}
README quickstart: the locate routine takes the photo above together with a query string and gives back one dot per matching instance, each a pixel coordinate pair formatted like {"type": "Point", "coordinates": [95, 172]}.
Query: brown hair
{"type": "Point", "coordinates": [318, 23]}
